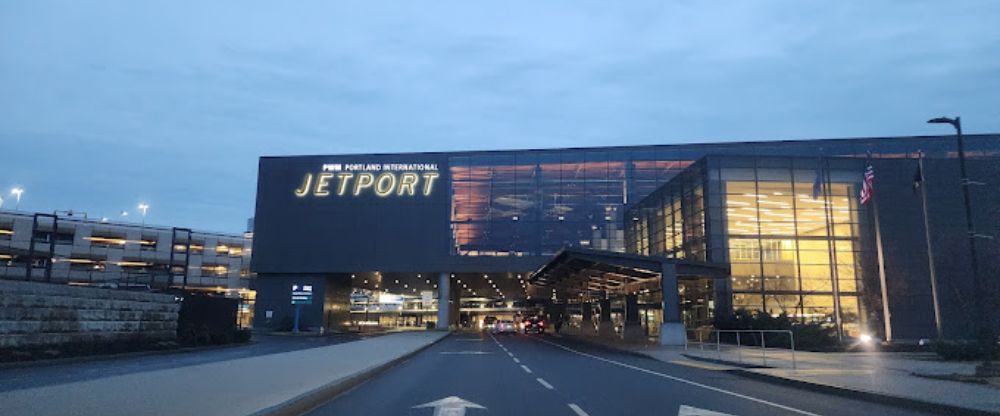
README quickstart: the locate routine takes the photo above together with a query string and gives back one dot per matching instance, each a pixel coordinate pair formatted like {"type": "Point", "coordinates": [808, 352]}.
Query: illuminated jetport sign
{"type": "Point", "coordinates": [382, 179]}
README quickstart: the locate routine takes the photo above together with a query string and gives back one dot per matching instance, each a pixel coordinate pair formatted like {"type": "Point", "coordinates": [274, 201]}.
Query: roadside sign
{"type": "Point", "coordinates": [302, 294]}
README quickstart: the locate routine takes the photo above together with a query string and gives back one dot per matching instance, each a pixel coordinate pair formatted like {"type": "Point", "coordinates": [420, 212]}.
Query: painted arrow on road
{"type": "Point", "coordinates": [450, 406]}
{"type": "Point", "coordinates": [694, 411]}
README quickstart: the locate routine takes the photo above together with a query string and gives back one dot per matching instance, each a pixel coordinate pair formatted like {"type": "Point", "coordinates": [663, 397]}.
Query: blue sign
{"type": "Point", "coordinates": [302, 294]}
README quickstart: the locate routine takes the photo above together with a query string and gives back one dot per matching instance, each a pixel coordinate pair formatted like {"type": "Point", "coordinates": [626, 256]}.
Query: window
{"type": "Point", "coordinates": [786, 247]}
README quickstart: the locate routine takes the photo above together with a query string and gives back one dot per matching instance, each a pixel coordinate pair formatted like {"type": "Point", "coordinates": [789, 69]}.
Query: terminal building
{"type": "Point", "coordinates": [629, 239]}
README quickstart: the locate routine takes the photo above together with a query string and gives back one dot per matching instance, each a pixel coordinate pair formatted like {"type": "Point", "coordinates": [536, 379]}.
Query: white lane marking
{"type": "Point", "coordinates": [516, 361]}
{"type": "Point", "coordinates": [576, 409]}
{"type": "Point", "coordinates": [526, 369]}
{"type": "Point", "coordinates": [545, 383]}
{"type": "Point", "coordinates": [510, 354]}
{"type": "Point", "coordinates": [682, 380]}
{"type": "Point", "coordinates": [686, 410]}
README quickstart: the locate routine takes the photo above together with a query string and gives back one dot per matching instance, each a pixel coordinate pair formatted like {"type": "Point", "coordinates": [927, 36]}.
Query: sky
{"type": "Point", "coordinates": [106, 104]}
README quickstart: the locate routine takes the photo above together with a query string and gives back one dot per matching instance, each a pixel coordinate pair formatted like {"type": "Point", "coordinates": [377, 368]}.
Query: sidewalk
{"type": "Point", "coordinates": [256, 385]}
{"type": "Point", "coordinates": [881, 376]}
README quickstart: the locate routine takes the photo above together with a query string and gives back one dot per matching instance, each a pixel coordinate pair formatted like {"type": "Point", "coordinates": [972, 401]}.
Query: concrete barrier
{"type": "Point", "coordinates": [38, 314]}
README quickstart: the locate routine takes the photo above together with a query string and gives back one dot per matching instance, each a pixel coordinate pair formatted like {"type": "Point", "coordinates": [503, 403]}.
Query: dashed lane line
{"type": "Point", "coordinates": [545, 383]}
{"type": "Point", "coordinates": [576, 409]}
{"type": "Point", "coordinates": [572, 406]}
{"type": "Point", "coordinates": [681, 380]}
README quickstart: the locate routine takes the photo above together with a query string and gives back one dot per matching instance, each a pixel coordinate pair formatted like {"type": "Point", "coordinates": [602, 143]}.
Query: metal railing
{"type": "Point", "coordinates": [740, 341]}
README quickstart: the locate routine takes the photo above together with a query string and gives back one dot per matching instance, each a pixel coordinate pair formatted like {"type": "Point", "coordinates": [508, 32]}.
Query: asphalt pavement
{"type": "Point", "coordinates": [39, 375]}
{"type": "Point", "coordinates": [483, 374]}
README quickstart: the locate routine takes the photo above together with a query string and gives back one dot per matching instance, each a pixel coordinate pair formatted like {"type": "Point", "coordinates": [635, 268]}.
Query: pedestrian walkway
{"type": "Point", "coordinates": [245, 386]}
{"type": "Point", "coordinates": [891, 375]}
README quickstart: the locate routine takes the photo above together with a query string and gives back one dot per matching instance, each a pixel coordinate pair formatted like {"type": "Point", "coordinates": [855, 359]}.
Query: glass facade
{"type": "Point", "coordinates": [535, 202]}
{"type": "Point", "coordinates": [791, 240]}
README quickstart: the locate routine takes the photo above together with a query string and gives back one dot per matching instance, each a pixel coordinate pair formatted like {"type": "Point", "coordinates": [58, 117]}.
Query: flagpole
{"type": "Point", "coordinates": [887, 317]}
{"type": "Point", "coordinates": [930, 248]}
{"type": "Point", "coordinates": [832, 251]}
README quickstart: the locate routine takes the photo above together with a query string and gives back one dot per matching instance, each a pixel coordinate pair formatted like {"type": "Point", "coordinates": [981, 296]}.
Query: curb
{"type": "Point", "coordinates": [722, 362]}
{"type": "Point", "coordinates": [867, 396]}
{"type": "Point", "coordinates": [134, 354]}
{"type": "Point", "coordinates": [310, 400]}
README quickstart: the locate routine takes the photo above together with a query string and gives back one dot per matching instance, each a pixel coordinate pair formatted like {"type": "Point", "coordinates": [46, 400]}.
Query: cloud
{"type": "Point", "coordinates": [174, 102]}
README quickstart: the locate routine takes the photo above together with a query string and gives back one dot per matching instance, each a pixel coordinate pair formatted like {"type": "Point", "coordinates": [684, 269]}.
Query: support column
{"type": "Point", "coordinates": [454, 309]}
{"type": "Point", "coordinates": [444, 301]}
{"type": "Point", "coordinates": [632, 330]}
{"type": "Point", "coordinates": [556, 313]}
{"type": "Point", "coordinates": [604, 326]}
{"type": "Point", "coordinates": [587, 323]}
{"type": "Point", "coordinates": [672, 330]}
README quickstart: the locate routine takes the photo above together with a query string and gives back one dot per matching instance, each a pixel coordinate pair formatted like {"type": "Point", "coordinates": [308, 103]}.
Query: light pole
{"type": "Point", "coordinates": [985, 326]}
{"type": "Point", "coordinates": [16, 191]}
{"type": "Point", "coordinates": [143, 207]}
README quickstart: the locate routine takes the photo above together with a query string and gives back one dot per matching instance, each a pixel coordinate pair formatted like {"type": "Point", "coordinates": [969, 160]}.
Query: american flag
{"type": "Point", "coordinates": [868, 186]}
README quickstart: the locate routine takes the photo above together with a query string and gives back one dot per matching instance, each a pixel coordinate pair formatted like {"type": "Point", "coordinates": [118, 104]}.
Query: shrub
{"type": "Point", "coordinates": [808, 336]}
{"type": "Point", "coordinates": [286, 324]}
{"type": "Point", "coordinates": [961, 350]}
{"type": "Point", "coordinates": [242, 336]}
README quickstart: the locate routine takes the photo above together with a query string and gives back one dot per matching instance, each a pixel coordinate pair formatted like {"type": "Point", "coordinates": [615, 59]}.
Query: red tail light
{"type": "Point", "coordinates": [541, 323]}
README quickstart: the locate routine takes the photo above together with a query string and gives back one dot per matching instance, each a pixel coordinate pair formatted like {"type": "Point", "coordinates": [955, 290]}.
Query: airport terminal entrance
{"type": "Point", "coordinates": [630, 296]}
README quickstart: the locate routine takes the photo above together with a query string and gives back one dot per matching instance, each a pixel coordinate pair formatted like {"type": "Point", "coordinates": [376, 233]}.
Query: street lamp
{"type": "Point", "coordinates": [984, 325]}
{"type": "Point", "coordinates": [17, 196]}
{"type": "Point", "coordinates": [143, 207]}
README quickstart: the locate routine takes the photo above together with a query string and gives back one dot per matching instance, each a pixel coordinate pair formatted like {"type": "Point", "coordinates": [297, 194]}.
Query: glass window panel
{"type": "Point", "coordinates": [817, 301]}
{"type": "Point", "coordinates": [847, 281]}
{"type": "Point", "coordinates": [818, 308]}
{"type": "Point", "coordinates": [748, 301]}
{"type": "Point", "coordinates": [751, 282]}
{"type": "Point", "coordinates": [780, 277]}
{"type": "Point", "coordinates": [744, 250]}
{"type": "Point", "coordinates": [778, 304]}
{"type": "Point", "coordinates": [736, 174]}
{"type": "Point", "coordinates": [772, 174]}
{"type": "Point", "coordinates": [816, 284]}
{"type": "Point", "coordinates": [849, 311]}
{"type": "Point", "coordinates": [815, 271]}
{"type": "Point", "coordinates": [814, 252]}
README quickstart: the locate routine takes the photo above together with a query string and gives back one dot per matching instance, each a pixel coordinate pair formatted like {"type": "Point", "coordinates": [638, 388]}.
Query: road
{"type": "Point", "coordinates": [482, 374]}
{"type": "Point", "coordinates": [44, 375]}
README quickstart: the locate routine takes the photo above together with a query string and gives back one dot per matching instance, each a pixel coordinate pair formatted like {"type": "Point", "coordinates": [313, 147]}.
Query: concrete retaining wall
{"type": "Point", "coordinates": [38, 314]}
